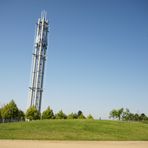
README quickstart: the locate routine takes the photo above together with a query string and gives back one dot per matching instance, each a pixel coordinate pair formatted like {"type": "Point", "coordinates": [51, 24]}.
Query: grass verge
{"type": "Point", "coordinates": [100, 130]}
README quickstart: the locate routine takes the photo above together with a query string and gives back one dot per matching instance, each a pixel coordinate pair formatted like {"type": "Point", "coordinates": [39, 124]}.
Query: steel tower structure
{"type": "Point", "coordinates": [39, 58]}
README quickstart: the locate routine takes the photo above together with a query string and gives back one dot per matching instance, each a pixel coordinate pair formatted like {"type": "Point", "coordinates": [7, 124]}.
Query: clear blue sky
{"type": "Point", "coordinates": [97, 54]}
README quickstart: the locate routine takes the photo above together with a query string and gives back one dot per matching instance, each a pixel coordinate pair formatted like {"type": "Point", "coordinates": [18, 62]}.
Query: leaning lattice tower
{"type": "Point", "coordinates": [38, 66]}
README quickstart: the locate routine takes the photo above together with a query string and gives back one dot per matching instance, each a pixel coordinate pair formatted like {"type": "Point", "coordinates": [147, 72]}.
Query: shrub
{"type": "Point", "coordinates": [32, 113]}
{"type": "Point", "coordinates": [72, 116]}
{"type": "Point", "coordinates": [80, 115]}
{"type": "Point", "coordinates": [60, 115]}
{"type": "Point", "coordinates": [90, 116]}
{"type": "Point", "coordinates": [48, 114]}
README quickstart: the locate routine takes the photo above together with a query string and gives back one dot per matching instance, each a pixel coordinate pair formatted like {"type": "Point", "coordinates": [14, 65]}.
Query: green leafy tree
{"type": "Point", "coordinates": [113, 114]}
{"type": "Point", "coordinates": [136, 117]}
{"type": "Point", "coordinates": [81, 117]}
{"type": "Point", "coordinates": [142, 117]}
{"type": "Point", "coordinates": [131, 117]}
{"type": "Point", "coordinates": [90, 117]}
{"type": "Point", "coordinates": [48, 114]}
{"type": "Point", "coordinates": [120, 113]}
{"type": "Point", "coordinates": [10, 112]}
{"type": "Point", "coordinates": [32, 113]}
{"type": "Point", "coordinates": [21, 115]}
{"type": "Point", "coordinates": [60, 115]}
{"type": "Point", "coordinates": [116, 113]}
{"type": "Point", "coordinates": [79, 113]}
{"type": "Point", "coordinates": [72, 116]}
{"type": "Point", "coordinates": [125, 115]}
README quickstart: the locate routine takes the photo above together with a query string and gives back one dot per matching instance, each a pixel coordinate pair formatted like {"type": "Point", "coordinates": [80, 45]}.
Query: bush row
{"type": "Point", "coordinates": [11, 113]}
{"type": "Point", "coordinates": [33, 114]}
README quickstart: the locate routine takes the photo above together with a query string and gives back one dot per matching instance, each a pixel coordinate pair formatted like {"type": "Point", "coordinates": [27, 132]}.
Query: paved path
{"type": "Point", "coordinates": [71, 144]}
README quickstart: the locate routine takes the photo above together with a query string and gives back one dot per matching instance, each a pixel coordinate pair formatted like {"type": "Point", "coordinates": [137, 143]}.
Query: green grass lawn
{"type": "Point", "coordinates": [74, 130]}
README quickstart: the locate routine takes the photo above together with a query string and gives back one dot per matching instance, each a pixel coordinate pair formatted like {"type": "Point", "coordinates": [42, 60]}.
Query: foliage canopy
{"type": "Point", "coordinates": [32, 113]}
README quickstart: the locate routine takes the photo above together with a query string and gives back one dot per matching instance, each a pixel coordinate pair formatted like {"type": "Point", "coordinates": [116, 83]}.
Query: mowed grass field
{"type": "Point", "coordinates": [75, 130]}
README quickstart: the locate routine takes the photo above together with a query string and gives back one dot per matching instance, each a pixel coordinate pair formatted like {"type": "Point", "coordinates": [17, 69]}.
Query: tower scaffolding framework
{"type": "Point", "coordinates": [39, 58]}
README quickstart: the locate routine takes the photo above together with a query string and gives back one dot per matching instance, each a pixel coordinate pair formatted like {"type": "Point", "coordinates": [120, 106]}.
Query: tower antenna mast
{"type": "Point", "coordinates": [39, 58]}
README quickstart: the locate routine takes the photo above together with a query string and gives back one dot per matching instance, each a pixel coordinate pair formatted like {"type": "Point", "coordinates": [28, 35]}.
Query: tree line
{"type": "Point", "coordinates": [33, 114]}
{"type": "Point", "coordinates": [11, 113]}
{"type": "Point", "coordinates": [126, 115]}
